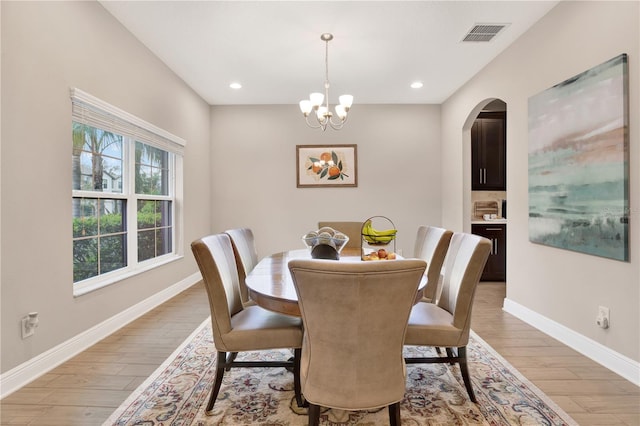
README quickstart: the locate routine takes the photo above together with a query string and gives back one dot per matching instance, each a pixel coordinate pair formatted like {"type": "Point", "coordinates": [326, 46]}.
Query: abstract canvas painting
{"type": "Point", "coordinates": [579, 162]}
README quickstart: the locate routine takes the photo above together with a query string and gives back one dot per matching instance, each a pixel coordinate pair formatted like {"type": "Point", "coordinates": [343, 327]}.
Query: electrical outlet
{"type": "Point", "coordinates": [603, 317]}
{"type": "Point", "coordinates": [29, 324]}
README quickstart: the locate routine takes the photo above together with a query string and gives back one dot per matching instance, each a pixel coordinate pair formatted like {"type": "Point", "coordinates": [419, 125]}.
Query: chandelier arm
{"type": "Point", "coordinates": [340, 121]}
{"type": "Point", "coordinates": [338, 125]}
{"type": "Point", "coordinates": [319, 124]}
{"type": "Point", "coordinates": [311, 124]}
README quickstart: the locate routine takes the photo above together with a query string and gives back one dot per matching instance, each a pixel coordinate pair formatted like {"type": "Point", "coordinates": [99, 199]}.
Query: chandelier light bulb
{"type": "Point", "coordinates": [306, 107]}
{"type": "Point", "coordinates": [316, 99]}
{"type": "Point", "coordinates": [323, 115]}
{"type": "Point", "coordinates": [346, 101]}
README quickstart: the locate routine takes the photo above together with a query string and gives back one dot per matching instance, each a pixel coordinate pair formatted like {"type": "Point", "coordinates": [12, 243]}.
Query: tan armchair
{"type": "Point", "coordinates": [431, 246]}
{"type": "Point", "coordinates": [355, 316]}
{"type": "Point", "coordinates": [237, 328]}
{"type": "Point", "coordinates": [244, 250]}
{"type": "Point", "coordinates": [447, 323]}
{"type": "Point", "coordinates": [353, 230]}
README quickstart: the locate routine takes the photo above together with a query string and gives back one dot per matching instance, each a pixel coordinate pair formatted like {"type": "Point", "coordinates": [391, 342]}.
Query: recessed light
{"type": "Point", "coordinates": [416, 85]}
{"type": "Point", "coordinates": [235, 85]}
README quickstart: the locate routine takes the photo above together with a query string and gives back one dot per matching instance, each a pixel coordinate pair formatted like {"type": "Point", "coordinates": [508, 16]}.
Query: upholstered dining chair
{"type": "Point", "coordinates": [431, 246]}
{"type": "Point", "coordinates": [355, 316]}
{"type": "Point", "coordinates": [447, 323]}
{"type": "Point", "coordinates": [244, 250]}
{"type": "Point", "coordinates": [353, 230]}
{"type": "Point", "coordinates": [238, 328]}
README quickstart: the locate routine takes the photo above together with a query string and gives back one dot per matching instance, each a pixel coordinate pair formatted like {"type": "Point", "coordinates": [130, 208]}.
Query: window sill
{"type": "Point", "coordinates": [82, 288]}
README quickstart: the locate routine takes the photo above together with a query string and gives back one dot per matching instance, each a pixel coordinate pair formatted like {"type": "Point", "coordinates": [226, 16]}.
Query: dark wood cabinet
{"type": "Point", "coordinates": [488, 152]}
{"type": "Point", "coordinates": [496, 267]}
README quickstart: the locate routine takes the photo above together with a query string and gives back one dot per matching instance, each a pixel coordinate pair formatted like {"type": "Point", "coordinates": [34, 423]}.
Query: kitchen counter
{"type": "Point", "coordinates": [480, 221]}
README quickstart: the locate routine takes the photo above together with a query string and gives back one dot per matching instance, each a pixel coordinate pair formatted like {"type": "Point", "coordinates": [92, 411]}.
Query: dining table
{"type": "Point", "coordinates": [270, 284]}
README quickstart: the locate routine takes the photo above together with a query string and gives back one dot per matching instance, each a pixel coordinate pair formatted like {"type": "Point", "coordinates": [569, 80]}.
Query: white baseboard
{"type": "Point", "coordinates": [614, 361]}
{"type": "Point", "coordinates": [26, 372]}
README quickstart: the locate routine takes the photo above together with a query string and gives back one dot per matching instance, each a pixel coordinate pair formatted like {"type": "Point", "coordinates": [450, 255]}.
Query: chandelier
{"type": "Point", "coordinates": [323, 116]}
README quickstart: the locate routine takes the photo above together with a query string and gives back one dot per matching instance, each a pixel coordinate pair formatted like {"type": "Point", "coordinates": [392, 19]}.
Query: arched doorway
{"type": "Point", "coordinates": [485, 187]}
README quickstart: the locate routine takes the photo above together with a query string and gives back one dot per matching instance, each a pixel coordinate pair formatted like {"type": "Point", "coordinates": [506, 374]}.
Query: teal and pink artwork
{"type": "Point", "coordinates": [579, 163]}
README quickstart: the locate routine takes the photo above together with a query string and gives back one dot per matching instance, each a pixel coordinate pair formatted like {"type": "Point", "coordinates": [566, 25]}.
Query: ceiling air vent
{"type": "Point", "coordinates": [483, 32]}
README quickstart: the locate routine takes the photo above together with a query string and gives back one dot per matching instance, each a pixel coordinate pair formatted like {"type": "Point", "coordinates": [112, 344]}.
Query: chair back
{"type": "Point", "coordinates": [244, 250]}
{"type": "Point", "coordinates": [355, 317]}
{"type": "Point", "coordinates": [431, 246]}
{"type": "Point", "coordinates": [215, 258]}
{"type": "Point", "coordinates": [465, 260]}
{"type": "Point", "coordinates": [353, 230]}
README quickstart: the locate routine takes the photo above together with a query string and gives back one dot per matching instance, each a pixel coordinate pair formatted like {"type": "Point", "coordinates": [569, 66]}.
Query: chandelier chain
{"type": "Point", "coordinates": [326, 67]}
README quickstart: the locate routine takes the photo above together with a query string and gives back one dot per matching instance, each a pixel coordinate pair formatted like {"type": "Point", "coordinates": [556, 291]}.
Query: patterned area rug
{"type": "Point", "coordinates": [177, 393]}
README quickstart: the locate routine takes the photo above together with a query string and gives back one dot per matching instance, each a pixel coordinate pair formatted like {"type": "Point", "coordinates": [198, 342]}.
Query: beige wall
{"type": "Point", "coordinates": [563, 286]}
{"type": "Point", "coordinates": [254, 181]}
{"type": "Point", "coordinates": [48, 48]}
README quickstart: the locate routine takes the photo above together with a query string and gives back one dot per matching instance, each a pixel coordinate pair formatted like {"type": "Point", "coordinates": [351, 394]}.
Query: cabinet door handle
{"type": "Point", "coordinates": [493, 229]}
{"type": "Point", "coordinates": [485, 175]}
{"type": "Point", "coordinates": [495, 242]}
{"type": "Point", "coordinates": [480, 175]}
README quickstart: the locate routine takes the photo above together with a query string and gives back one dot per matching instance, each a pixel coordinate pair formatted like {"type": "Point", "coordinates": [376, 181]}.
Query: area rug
{"type": "Point", "coordinates": [177, 393]}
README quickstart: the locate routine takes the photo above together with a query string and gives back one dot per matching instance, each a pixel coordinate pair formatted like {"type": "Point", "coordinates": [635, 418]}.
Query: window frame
{"type": "Point", "coordinates": [87, 109]}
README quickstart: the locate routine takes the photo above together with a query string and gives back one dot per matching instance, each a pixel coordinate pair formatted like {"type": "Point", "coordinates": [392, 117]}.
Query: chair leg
{"type": "Point", "coordinates": [464, 370]}
{"type": "Point", "coordinates": [232, 357]}
{"type": "Point", "coordinates": [220, 367]}
{"type": "Point", "coordinates": [297, 353]}
{"type": "Point", "coordinates": [450, 354]}
{"type": "Point", "coordinates": [394, 414]}
{"type": "Point", "coordinates": [314, 414]}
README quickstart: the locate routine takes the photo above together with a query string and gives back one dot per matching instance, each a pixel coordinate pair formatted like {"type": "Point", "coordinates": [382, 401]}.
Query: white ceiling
{"type": "Point", "coordinates": [273, 48]}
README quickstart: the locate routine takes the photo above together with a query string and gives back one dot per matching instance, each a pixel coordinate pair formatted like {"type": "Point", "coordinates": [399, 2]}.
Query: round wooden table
{"type": "Point", "coordinates": [271, 287]}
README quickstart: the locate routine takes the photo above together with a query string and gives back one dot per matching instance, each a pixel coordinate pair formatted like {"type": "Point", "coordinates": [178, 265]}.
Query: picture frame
{"type": "Point", "coordinates": [326, 166]}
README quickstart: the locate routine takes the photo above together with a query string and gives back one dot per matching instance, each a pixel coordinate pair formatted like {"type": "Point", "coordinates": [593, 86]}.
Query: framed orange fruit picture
{"type": "Point", "coordinates": [326, 165]}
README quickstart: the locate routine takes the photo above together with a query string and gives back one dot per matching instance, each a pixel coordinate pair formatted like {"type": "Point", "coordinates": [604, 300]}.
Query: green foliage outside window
{"type": "Point", "coordinates": [154, 239]}
{"type": "Point", "coordinates": [108, 232]}
{"type": "Point", "coordinates": [154, 228]}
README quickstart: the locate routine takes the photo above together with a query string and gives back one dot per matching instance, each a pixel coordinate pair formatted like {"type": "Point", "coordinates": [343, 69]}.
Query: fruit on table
{"type": "Point", "coordinates": [326, 229]}
{"type": "Point", "coordinates": [310, 238]}
{"type": "Point", "coordinates": [325, 238]}
{"type": "Point", "coordinates": [340, 239]}
{"type": "Point", "coordinates": [374, 236]}
{"type": "Point", "coordinates": [374, 255]}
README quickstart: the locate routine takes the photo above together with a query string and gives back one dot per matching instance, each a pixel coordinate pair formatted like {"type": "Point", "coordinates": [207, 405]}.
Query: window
{"type": "Point", "coordinates": [126, 183]}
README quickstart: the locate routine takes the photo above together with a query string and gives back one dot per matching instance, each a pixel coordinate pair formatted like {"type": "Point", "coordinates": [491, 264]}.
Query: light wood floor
{"type": "Point", "coordinates": [88, 388]}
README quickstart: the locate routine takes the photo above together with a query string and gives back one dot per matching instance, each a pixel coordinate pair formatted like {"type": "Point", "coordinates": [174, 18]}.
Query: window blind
{"type": "Point", "coordinates": [88, 109]}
